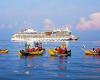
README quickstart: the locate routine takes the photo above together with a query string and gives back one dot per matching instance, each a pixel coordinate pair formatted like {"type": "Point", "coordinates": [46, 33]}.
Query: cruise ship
{"type": "Point", "coordinates": [31, 35]}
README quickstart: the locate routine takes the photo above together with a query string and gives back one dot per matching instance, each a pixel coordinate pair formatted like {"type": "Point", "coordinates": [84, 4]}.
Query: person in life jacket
{"type": "Point", "coordinates": [60, 50]}
{"type": "Point", "coordinates": [97, 50]}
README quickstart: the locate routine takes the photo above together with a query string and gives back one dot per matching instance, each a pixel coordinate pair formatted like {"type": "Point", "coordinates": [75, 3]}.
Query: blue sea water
{"type": "Point", "coordinates": [76, 67]}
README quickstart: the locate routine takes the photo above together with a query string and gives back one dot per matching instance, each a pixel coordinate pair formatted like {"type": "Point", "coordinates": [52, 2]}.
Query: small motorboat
{"type": "Point", "coordinates": [4, 51]}
{"type": "Point", "coordinates": [53, 52]}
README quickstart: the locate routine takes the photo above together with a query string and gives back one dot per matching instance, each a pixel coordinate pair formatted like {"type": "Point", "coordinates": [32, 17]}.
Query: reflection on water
{"type": "Point", "coordinates": [51, 58]}
{"type": "Point", "coordinates": [76, 67]}
{"type": "Point", "coordinates": [62, 67]}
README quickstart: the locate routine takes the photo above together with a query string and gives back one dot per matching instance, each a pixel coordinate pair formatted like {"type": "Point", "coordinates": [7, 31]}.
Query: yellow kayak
{"type": "Point", "coordinates": [37, 52]}
{"type": "Point", "coordinates": [23, 53]}
{"type": "Point", "coordinates": [87, 52]}
{"type": "Point", "coordinates": [90, 52]}
{"type": "Point", "coordinates": [3, 51]}
{"type": "Point", "coordinates": [52, 52]}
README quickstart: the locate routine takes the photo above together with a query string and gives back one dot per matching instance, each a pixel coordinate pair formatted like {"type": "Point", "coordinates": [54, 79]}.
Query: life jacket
{"type": "Point", "coordinates": [60, 50]}
{"type": "Point", "coordinates": [97, 50]}
{"type": "Point", "coordinates": [30, 49]}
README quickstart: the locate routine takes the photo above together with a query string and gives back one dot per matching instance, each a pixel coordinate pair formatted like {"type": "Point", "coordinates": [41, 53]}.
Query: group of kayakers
{"type": "Point", "coordinates": [37, 47]}
{"type": "Point", "coordinates": [31, 51]}
{"type": "Point", "coordinates": [34, 49]}
{"type": "Point", "coordinates": [97, 50]}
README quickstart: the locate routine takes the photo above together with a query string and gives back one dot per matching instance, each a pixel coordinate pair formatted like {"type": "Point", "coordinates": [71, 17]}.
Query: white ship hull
{"type": "Point", "coordinates": [29, 35]}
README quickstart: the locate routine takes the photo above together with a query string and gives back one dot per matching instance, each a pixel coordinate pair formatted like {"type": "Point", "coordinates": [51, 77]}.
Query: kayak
{"type": "Point", "coordinates": [3, 51]}
{"type": "Point", "coordinates": [23, 53]}
{"type": "Point", "coordinates": [53, 52]}
{"type": "Point", "coordinates": [87, 52]}
{"type": "Point", "coordinates": [37, 52]}
{"type": "Point", "coordinates": [90, 52]}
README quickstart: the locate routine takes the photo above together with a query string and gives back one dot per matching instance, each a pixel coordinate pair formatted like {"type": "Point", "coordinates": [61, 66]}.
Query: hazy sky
{"type": "Point", "coordinates": [82, 15]}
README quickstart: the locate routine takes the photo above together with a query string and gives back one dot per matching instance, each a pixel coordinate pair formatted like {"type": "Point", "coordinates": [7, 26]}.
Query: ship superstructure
{"type": "Point", "coordinates": [57, 35]}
